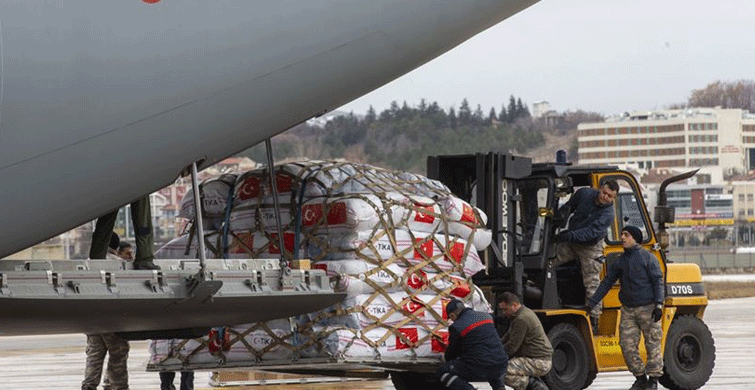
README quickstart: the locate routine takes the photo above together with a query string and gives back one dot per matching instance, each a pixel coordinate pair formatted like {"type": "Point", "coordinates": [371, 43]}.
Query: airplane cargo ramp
{"type": "Point", "coordinates": [102, 296]}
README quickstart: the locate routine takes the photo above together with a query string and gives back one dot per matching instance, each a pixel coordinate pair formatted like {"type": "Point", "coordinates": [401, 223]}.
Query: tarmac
{"type": "Point", "coordinates": [57, 362]}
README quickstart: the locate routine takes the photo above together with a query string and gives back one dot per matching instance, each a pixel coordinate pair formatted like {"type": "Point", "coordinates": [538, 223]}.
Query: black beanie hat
{"type": "Point", "coordinates": [453, 306]}
{"type": "Point", "coordinates": [634, 231]}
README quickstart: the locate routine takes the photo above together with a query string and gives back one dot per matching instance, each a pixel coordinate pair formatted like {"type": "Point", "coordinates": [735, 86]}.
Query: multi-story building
{"type": "Point", "coordinates": [719, 139]}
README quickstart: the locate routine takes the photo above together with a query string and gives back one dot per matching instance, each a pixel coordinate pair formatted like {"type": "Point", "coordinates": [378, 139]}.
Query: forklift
{"type": "Point", "coordinates": [523, 202]}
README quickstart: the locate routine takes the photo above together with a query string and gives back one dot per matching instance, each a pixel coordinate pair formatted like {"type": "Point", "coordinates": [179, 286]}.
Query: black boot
{"type": "Point", "coordinates": [652, 383]}
{"type": "Point", "coordinates": [145, 264]}
{"type": "Point", "coordinates": [536, 384]}
{"type": "Point", "coordinates": [639, 383]}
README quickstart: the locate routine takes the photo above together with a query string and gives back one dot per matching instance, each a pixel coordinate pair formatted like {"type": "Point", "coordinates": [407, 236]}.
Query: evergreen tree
{"type": "Point", "coordinates": [405, 112]}
{"type": "Point", "coordinates": [491, 116]}
{"type": "Point", "coordinates": [422, 106]}
{"type": "Point", "coordinates": [511, 117]}
{"type": "Point", "coordinates": [479, 117]}
{"type": "Point", "coordinates": [521, 110]}
{"type": "Point", "coordinates": [394, 109]}
{"type": "Point", "coordinates": [465, 113]}
{"type": "Point", "coordinates": [371, 116]}
{"type": "Point", "coordinates": [503, 116]}
{"type": "Point", "coordinates": [452, 121]}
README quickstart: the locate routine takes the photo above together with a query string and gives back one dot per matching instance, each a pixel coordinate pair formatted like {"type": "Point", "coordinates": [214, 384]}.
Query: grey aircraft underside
{"type": "Point", "coordinates": [102, 102]}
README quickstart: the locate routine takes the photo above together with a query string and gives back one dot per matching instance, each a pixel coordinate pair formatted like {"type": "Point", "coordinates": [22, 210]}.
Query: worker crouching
{"type": "Point", "coordinates": [474, 353]}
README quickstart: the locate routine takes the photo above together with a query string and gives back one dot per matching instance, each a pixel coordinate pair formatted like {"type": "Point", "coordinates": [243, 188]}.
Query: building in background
{"type": "Point", "coordinates": [722, 141]}
{"type": "Point", "coordinates": [718, 202]}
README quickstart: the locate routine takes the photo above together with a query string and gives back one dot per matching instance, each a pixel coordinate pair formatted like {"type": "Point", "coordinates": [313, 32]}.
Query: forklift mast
{"type": "Point", "coordinates": [485, 181]}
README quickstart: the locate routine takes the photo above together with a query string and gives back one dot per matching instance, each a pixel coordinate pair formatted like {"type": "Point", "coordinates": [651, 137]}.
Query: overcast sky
{"type": "Point", "coordinates": [607, 56]}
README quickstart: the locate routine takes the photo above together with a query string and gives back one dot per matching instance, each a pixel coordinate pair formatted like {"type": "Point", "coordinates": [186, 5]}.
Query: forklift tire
{"type": "Point", "coordinates": [571, 360]}
{"type": "Point", "coordinates": [689, 356]}
{"type": "Point", "coordinates": [404, 380]}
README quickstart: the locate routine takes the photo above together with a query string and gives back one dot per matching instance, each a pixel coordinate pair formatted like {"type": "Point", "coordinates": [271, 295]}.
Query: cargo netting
{"type": "Point", "coordinates": [399, 244]}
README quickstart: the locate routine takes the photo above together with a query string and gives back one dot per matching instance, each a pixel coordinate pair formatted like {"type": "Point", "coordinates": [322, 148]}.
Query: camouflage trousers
{"type": "Point", "coordinates": [587, 255]}
{"type": "Point", "coordinates": [98, 345]}
{"type": "Point", "coordinates": [635, 323]}
{"type": "Point", "coordinates": [520, 369]}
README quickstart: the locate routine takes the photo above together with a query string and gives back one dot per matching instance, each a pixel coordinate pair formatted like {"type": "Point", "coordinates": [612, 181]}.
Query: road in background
{"type": "Point", "coordinates": [57, 362]}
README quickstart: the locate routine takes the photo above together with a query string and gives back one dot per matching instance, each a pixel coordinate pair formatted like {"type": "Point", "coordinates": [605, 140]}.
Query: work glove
{"type": "Point", "coordinates": [657, 313]}
{"type": "Point", "coordinates": [561, 237]}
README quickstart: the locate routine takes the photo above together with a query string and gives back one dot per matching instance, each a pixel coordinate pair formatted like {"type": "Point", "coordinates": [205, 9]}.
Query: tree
{"type": "Point", "coordinates": [492, 116]}
{"type": "Point", "coordinates": [738, 94]}
{"type": "Point", "coordinates": [521, 110]}
{"type": "Point", "coordinates": [422, 106]}
{"type": "Point", "coordinates": [479, 117]}
{"type": "Point", "coordinates": [465, 113]}
{"type": "Point", "coordinates": [371, 116]}
{"type": "Point", "coordinates": [503, 116]}
{"type": "Point", "coordinates": [512, 113]}
{"type": "Point", "coordinates": [452, 122]}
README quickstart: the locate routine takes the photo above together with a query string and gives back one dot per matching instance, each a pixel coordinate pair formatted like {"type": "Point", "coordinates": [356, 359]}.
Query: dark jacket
{"type": "Point", "coordinates": [641, 279]}
{"type": "Point", "coordinates": [526, 337]}
{"type": "Point", "coordinates": [474, 339]}
{"type": "Point", "coordinates": [589, 222]}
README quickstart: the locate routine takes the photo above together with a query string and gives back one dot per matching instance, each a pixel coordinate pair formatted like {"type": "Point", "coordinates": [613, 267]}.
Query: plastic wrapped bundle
{"type": "Point", "coordinates": [400, 245]}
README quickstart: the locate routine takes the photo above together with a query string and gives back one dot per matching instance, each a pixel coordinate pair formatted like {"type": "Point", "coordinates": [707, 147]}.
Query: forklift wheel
{"type": "Point", "coordinates": [571, 362]}
{"type": "Point", "coordinates": [689, 356]}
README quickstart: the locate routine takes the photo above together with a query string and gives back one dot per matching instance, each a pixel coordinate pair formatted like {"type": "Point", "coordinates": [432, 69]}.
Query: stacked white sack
{"type": "Point", "coordinates": [400, 245]}
{"type": "Point", "coordinates": [215, 194]}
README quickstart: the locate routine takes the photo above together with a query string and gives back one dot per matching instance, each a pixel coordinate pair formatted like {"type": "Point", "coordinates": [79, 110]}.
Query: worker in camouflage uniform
{"type": "Point", "coordinates": [530, 352]}
{"type": "Point", "coordinates": [141, 217]}
{"type": "Point", "coordinates": [591, 213]}
{"type": "Point", "coordinates": [641, 296]}
{"type": "Point", "coordinates": [99, 345]}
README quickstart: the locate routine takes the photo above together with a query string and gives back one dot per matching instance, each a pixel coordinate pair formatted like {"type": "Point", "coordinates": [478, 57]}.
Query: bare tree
{"type": "Point", "coordinates": [737, 94]}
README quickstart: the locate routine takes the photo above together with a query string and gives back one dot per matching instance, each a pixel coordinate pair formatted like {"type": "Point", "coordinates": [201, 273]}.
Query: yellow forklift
{"type": "Point", "coordinates": [522, 200]}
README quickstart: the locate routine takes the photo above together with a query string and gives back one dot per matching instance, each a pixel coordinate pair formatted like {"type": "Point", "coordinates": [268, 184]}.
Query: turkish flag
{"type": "Point", "coordinates": [424, 214]}
{"type": "Point", "coordinates": [413, 305]}
{"type": "Point", "coordinates": [455, 252]}
{"type": "Point", "coordinates": [416, 279]}
{"type": "Point", "coordinates": [250, 188]}
{"type": "Point", "coordinates": [424, 250]}
{"type": "Point", "coordinates": [288, 242]}
{"type": "Point", "coordinates": [311, 214]}
{"type": "Point", "coordinates": [410, 334]}
{"type": "Point", "coordinates": [440, 341]}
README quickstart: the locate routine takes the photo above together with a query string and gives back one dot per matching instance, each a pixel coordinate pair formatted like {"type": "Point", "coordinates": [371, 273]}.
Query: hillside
{"type": "Point", "coordinates": [403, 137]}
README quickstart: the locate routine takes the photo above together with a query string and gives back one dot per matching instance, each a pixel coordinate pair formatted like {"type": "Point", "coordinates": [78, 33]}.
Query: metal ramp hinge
{"type": "Point", "coordinates": [257, 282]}
{"type": "Point", "coordinates": [108, 279]}
{"type": "Point", "coordinates": [157, 283]}
{"type": "Point", "coordinates": [56, 280]}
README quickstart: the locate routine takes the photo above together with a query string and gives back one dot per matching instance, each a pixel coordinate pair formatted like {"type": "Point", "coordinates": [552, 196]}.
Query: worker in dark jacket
{"type": "Point", "coordinates": [474, 353]}
{"type": "Point", "coordinates": [591, 213]}
{"type": "Point", "coordinates": [641, 296]}
{"type": "Point", "coordinates": [529, 350]}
